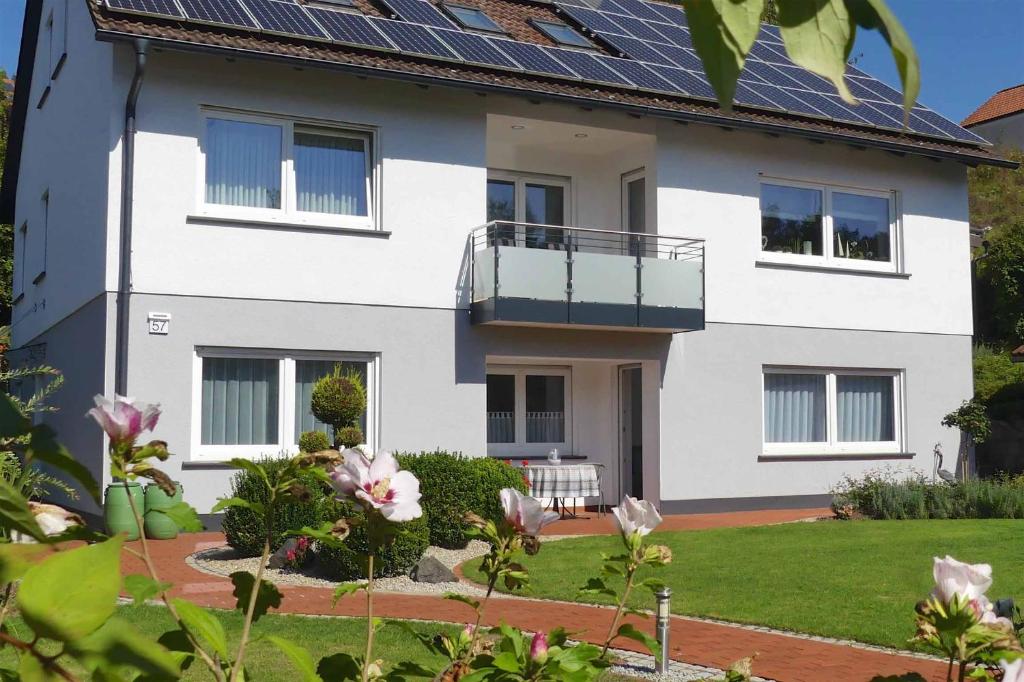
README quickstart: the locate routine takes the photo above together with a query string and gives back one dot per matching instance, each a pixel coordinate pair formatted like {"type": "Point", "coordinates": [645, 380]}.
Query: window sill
{"type": "Point", "coordinates": [39, 278]}
{"type": "Point", "coordinates": [284, 225]}
{"type": "Point", "coordinates": [777, 265]}
{"type": "Point", "coordinates": [834, 456]}
{"type": "Point", "coordinates": [18, 299]}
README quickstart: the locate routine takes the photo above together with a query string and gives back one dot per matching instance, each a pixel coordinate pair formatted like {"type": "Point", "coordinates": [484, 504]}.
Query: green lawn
{"type": "Point", "coordinates": [322, 636]}
{"type": "Point", "coordinates": [854, 580]}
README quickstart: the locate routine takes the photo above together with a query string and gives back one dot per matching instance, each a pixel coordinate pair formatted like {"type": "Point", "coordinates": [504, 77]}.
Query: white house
{"type": "Point", "coordinates": [526, 222]}
{"type": "Point", "coordinates": [1000, 118]}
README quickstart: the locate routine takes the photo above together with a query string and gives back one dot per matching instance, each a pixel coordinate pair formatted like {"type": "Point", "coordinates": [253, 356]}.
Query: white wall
{"type": "Point", "coordinates": [1008, 131]}
{"type": "Point", "coordinates": [709, 187]}
{"type": "Point", "coordinates": [67, 144]}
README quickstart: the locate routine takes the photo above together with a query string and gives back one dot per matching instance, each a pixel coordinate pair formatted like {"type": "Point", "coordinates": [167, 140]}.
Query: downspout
{"type": "Point", "coordinates": [124, 276]}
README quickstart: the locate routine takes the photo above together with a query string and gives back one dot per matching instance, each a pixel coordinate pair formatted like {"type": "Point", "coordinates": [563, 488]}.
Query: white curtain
{"type": "Point", "coordinates": [501, 427]}
{"type": "Point", "coordinates": [865, 406]}
{"type": "Point", "coordinates": [330, 174]}
{"type": "Point", "coordinates": [794, 408]}
{"type": "Point", "coordinates": [545, 409]}
{"type": "Point", "coordinates": [239, 401]}
{"type": "Point", "coordinates": [307, 372]}
{"type": "Point", "coordinates": [243, 163]}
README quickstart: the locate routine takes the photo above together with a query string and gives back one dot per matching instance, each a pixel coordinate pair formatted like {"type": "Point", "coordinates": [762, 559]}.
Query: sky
{"type": "Point", "coordinates": [968, 49]}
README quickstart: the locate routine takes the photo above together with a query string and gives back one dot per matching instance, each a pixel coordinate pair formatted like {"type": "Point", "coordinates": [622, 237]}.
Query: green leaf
{"type": "Point", "coordinates": [251, 467]}
{"type": "Point", "coordinates": [507, 661]}
{"type": "Point", "coordinates": [723, 33]}
{"type": "Point", "coordinates": [299, 656]}
{"type": "Point", "coordinates": [267, 597]}
{"type": "Point", "coordinates": [322, 535]}
{"type": "Point", "coordinates": [345, 589]}
{"type": "Point", "coordinates": [72, 593]}
{"type": "Point", "coordinates": [596, 586]}
{"type": "Point", "coordinates": [204, 626]}
{"type": "Point", "coordinates": [629, 632]}
{"type": "Point", "coordinates": [225, 502]}
{"type": "Point", "coordinates": [472, 603]}
{"type": "Point", "coordinates": [119, 642]}
{"type": "Point", "coordinates": [30, 669]}
{"type": "Point", "coordinates": [15, 514]}
{"type": "Point", "coordinates": [339, 667]}
{"type": "Point", "coordinates": [43, 446]}
{"type": "Point", "coordinates": [179, 646]}
{"type": "Point", "coordinates": [142, 588]}
{"type": "Point", "coordinates": [185, 516]}
{"type": "Point", "coordinates": [12, 422]}
{"type": "Point", "coordinates": [16, 558]}
{"type": "Point", "coordinates": [819, 36]}
{"type": "Point", "coordinates": [653, 584]}
{"type": "Point", "coordinates": [876, 15]}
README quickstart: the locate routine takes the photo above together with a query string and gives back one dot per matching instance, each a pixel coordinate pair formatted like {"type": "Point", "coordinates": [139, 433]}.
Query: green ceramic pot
{"type": "Point", "coordinates": [117, 513]}
{"type": "Point", "coordinates": [160, 526]}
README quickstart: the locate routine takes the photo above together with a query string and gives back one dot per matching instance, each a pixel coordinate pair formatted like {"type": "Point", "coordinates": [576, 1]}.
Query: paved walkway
{"type": "Point", "coordinates": [781, 657]}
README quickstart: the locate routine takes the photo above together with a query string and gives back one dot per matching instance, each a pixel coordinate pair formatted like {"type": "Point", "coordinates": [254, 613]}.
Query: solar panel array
{"type": "Point", "coordinates": [652, 43]}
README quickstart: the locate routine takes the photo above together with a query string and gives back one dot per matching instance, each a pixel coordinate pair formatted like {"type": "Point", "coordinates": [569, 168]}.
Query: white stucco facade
{"type": "Point", "coordinates": [397, 294]}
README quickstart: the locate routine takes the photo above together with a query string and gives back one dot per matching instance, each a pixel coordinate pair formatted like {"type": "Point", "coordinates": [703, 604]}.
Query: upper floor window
{"type": "Point", "coordinates": [561, 33]}
{"type": "Point", "coordinates": [818, 411]}
{"type": "Point", "coordinates": [289, 171]}
{"type": "Point", "coordinates": [472, 18]}
{"type": "Point", "coordinates": [540, 200]}
{"type": "Point", "coordinates": [803, 223]}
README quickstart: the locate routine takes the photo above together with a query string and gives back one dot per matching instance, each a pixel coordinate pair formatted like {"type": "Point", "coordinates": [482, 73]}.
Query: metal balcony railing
{"type": "Point", "coordinates": [549, 274]}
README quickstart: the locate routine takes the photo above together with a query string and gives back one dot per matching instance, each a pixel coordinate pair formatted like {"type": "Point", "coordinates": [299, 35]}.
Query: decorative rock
{"type": "Point", "coordinates": [430, 570]}
{"type": "Point", "coordinates": [280, 558]}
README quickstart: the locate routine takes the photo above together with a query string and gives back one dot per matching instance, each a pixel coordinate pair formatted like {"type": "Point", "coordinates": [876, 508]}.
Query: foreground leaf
{"type": "Point", "coordinates": [118, 642]}
{"type": "Point", "coordinates": [43, 446]}
{"type": "Point", "coordinates": [226, 502]}
{"type": "Point", "coordinates": [339, 667]}
{"type": "Point", "coordinates": [142, 588]}
{"type": "Point", "coordinates": [267, 597]}
{"type": "Point", "coordinates": [15, 514]}
{"type": "Point", "coordinates": [299, 656]}
{"type": "Point", "coordinates": [72, 593]}
{"type": "Point", "coordinates": [629, 632]}
{"type": "Point", "coordinates": [723, 32]}
{"type": "Point", "coordinates": [346, 589]}
{"type": "Point", "coordinates": [16, 558]}
{"type": "Point", "coordinates": [204, 626]}
{"type": "Point", "coordinates": [876, 15]}
{"type": "Point", "coordinates": [819, 37]}
{"type": "Point", "coordinates": [185, 516]}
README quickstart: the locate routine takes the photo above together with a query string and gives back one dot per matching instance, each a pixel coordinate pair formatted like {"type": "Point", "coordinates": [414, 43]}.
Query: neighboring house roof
{"type": "Point", "coordinates": [1004, 103]}
{"type": "Point", "coordinates": [1017, 355]}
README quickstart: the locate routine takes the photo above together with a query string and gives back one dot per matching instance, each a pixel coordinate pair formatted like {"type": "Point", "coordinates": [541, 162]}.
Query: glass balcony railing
{"type": "Point", "coordinates": [552, 275]}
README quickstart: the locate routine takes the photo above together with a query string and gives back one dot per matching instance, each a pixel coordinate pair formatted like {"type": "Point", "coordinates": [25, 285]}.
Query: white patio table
{"type": "Point", "coordinates": [559, 481]}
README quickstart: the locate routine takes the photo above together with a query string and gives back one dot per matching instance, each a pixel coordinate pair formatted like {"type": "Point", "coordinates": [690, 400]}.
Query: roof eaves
{"type": "Point", "coordinates": [19, 109]}
{"type": "Point", "coordinates": [978, 158]}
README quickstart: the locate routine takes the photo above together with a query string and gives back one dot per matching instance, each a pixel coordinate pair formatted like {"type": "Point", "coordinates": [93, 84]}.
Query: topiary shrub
{"type": "Point", "coordinates": [350, 436]}
{"type": "Point", "coordinates": [245, 530]}
{"type": "Point", "coordinates": [398, 558]}
{"type": "Point", "coordinates": [314, 441]}
{"type": "Point", "coordinates": [452, 484]}
{"type": "Point", "coordinates": [339, 399]}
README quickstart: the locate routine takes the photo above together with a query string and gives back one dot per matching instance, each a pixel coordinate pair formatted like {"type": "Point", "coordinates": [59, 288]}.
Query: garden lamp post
{"type": "Point", "coordinates": [663, 598]}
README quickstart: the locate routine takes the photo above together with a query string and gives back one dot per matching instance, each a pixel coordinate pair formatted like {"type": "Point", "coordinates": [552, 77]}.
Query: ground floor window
{"type": "Point", "coordinates": [251, 402]}
{"type": "Point", "coordinates": [820, 411]}
{"type": "Point", "coordinates": [528, 410]}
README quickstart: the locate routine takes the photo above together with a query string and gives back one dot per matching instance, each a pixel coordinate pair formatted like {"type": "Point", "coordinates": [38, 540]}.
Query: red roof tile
{"type": "Point", "coordinates": [1003, 103]}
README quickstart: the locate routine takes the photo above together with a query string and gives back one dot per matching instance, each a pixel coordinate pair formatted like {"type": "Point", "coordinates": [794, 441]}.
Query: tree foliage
{"type": "Point", "coordinates": [1001, 284]}
{"type": "Point", "coordinates": [996, 195]}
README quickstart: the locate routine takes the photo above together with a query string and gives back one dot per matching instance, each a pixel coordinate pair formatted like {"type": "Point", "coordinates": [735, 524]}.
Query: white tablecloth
{"type": "Point", "coordinates": [563, 480]}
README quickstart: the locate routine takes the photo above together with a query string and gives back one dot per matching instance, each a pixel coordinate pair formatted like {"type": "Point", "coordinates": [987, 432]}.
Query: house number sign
{"type": "Point", "coordinates": [159, 323]}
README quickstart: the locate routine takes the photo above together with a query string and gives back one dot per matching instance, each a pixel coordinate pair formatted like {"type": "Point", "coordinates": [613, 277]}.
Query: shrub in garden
{"type": "Point", "coordinates": [245, 529]}
{"type": "Point", "coordinates": [453, 484]}
{"type": "Point", "coordinates": [398, 558]}
{"type": "Point", "coordinates": [314, 441]}
{"type": "Point", "coordinates": [339, 399]}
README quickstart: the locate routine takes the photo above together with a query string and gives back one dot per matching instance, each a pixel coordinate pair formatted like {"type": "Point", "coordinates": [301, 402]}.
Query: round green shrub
{"type": "Point", "coordinates": [350, 436]}
{"type": "Point", "coordinates": [398, 558]}
{"type": "Point", "coordinates": [452, 484]}
{"type": "Point", "coordinates": [314, 441]}
{"type": "Point", "coordinates": [245, 530]}
{"type": "Point", "coordinates": [339, 399]}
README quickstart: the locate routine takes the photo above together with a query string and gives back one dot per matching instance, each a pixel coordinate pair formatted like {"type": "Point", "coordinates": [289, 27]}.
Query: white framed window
{"type": "Point", "coordinates": [57, 33]}
{"type": "Point", "coordinates": [39, 266]}
{"type": "Point", "coordinates": [21, 262]}
{"type": "Point", "coordinates": [529, 410]}
{"type": "Point", "coordinates": [514, 197]}
{"type": "Point", "coordinates": [816, 411]}
{"type": "Point", "coordinates": [264, 168]}
{"type": "Point", "coordinates": [250, 402]}
{"type": "Point", "coordinates": [807, 223]}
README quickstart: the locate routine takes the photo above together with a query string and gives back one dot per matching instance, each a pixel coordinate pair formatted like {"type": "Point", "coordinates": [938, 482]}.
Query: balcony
{"type": "Point", "coordinates": [548, 275]}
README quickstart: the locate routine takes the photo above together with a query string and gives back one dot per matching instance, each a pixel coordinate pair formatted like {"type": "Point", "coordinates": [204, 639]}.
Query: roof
{"type": "Point", "coordinates": [1017, 354]}
{"type": "Point", "coordinates": [1004, 103]}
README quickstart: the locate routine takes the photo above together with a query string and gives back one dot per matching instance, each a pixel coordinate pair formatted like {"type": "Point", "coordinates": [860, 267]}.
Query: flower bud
{"type": "Point", "coordinates": [539, 647]}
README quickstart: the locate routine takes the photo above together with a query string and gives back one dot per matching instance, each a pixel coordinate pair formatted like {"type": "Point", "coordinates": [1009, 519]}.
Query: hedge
{"type": "Point", "coordinates": [887, 497]}
{"type": "Point", "coordinates": [398, 558]}
{"type": "Point", "coordinates": [452, 484]}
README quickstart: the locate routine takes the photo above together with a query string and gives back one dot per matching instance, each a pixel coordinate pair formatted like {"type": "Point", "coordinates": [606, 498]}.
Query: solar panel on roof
{"type": "Point", "coordinates": [165, 8]}
{"type": "Point", "coordinates": [641, 75]}
{"type": "Point", "coordinates": [534, 58]}
{"type": "Point", "coordinates": [347, 27]}
{"type": "Point", "coordinates": [419, 12]}
{"type": "Point", "coordinates": [945, 125]}
{"type": "Point", "coordinates": [785, 100]}
{"type": "Point", "coordinates": [687, 82]}
{"type": "Point", "coordinates": [882, 91]}
{"type": "Point", "coordinates": [474, 48]}
{"type": "Point", "coordinates": [670, 13]}
{"type": "Point", "coordinates": [284, 17]}
{"type": "Point", "coordinates": [765, 53]}
{"type": "Point", "coordinates": [770, 34]}
{"type": "Point", "coordinates": [770, 74]}
{"type": "Point", "coordinates": [591, 67]}
{"type": "Point", "coordinates": [218, 12]}
{"type": "Point", "coordinates": [860, 91]}
{"type": "Point", "coordinates": [674, 34]}
{"type": "Point", "coordinates": [413, 38]}
{"type": "Point", "coordinates": [592, 19]}
{"type": "Point", "coordinates": [808, 80]}
{"type": "Point", "coordinates": [828, 107]}
{"type": "Point", "coordinates": [638, 28]}
{"type": "Point", "coordinates": [636, 8]}
{"type": "Point", "coordinates": [871, 113]}
{"type": "Point", "coordinates": [637, 49]}
{"type": "Point", "coordinates": [751, 96]}
{"type": "Point", "coordinates": [679, 56]}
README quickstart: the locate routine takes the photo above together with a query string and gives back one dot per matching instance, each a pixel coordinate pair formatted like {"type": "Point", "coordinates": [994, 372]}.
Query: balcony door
{"type": "Point", "coordinates": [527, 206]}
{"type": "Point", "coordinates": [634, 209]}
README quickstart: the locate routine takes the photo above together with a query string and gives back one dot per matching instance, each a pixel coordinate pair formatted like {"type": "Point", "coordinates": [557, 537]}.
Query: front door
{"type": "Point", "coordinates": [631, 431]}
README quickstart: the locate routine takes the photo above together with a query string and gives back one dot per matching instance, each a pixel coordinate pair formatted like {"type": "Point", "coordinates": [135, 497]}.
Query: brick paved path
{"type": "Point", "coordinates": [781, 657]}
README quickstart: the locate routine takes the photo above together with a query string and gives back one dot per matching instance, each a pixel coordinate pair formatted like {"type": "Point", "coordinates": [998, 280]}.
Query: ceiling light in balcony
{"type": "Point", "coordinates": [518, 126]}
{"type": "Point", "coordinates": [580, 136]}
